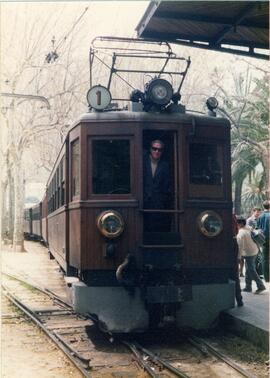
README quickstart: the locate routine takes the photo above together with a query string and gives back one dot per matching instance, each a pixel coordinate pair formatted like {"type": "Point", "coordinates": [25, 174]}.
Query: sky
{"type": "Point", "coordinates": [23, 24]}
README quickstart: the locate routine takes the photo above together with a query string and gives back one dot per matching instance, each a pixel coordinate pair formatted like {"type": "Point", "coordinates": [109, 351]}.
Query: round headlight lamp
{"type": "Point", "coordinates": [212, 103]}
{"type": "Point", "coordinates": [159, 91]}
{"type": "Point", "coordinates": [110, 224]}
{"type": "Point", "coordinates": [210, 223]}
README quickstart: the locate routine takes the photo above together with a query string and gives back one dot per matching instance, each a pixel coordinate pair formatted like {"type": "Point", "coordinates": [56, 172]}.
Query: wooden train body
{"type": "Point", "coordinates": [182, 272]}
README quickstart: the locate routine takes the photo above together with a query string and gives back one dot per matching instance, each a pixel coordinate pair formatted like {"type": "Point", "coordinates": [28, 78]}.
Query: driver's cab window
{"type": "Point", "coordinates": [205, 166]}
{"type": "Point", "coordinates": [111, 166]}
{"type": "Point", "coordinates": [205, 170]}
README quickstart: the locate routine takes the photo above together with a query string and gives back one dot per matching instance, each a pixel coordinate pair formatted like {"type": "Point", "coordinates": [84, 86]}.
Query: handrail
{"type": "Point", "coordinates": [174, 211]}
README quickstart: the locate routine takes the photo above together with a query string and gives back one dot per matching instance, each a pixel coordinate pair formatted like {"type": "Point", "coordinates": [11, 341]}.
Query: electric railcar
{"type": "Point", "coordinates": [94, 221]}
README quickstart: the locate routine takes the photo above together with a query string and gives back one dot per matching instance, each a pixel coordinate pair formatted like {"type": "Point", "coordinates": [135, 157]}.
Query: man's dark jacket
{"type": "Point", "coordinates": [157, 191]}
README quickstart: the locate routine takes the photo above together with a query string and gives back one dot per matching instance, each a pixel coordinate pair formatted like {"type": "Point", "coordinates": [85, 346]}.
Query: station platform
{"type": "Point", "coordinates": [250, 321]}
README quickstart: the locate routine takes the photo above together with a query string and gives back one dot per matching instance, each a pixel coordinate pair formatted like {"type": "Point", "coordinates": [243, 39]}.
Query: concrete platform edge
{"type": "Point", "coordinates": [257, 336]}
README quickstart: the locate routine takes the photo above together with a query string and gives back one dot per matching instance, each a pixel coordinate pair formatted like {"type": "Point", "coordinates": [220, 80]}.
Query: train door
{"type": "Point", "coordinates": [160, 188]}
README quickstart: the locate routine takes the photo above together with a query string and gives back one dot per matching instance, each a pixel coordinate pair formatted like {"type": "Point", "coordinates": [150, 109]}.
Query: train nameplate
{"type": "Point", "coordinates": [98, 97]}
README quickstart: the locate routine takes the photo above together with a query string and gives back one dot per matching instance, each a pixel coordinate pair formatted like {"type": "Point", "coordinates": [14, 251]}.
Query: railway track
{"type": "Point", "coordinates": [70, 332]}
{"type": "Point", "coordinates": [51, 314]}
{"type": "Point", "coordinates": [214, 364]}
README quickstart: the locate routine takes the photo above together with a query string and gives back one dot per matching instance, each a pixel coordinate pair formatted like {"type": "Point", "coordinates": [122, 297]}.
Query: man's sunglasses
{"type": "Point", "coordinates": [157, 149]}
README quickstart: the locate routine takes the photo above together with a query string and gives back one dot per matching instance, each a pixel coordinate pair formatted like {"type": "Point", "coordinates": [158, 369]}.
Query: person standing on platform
{"type": "Point", "coordinates": [249, 250]}
{"type": "Point", "coordinates": [241, 266]}
{"type": "Point", "coordinates": [263, 224]}
{"type": "Point", "coordinates": [252, 220]}
{"type": "Point", "coordinates": [252, 223]}
{"type": "Point", "coordinates": [235, 272]}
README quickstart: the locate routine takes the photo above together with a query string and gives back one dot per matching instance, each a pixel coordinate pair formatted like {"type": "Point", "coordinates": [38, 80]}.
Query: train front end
{"type": "Point", "coordinates": [143, 264]}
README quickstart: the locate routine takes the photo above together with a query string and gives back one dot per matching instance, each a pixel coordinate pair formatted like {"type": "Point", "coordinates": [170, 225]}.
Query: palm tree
{"type": "Point", "coordinates": [248, 113]}
{"type": "Point", "coordinates": [254, 193]}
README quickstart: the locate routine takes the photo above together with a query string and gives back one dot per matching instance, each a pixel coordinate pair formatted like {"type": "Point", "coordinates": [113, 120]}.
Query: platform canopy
{"type": "Point", "coordinates": [239, 27]}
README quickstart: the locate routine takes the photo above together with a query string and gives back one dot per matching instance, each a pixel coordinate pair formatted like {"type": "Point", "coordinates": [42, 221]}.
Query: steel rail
{"type": "Point", "coordinates": [197, 341]}
{"type": "Point", "coordinates": [140, 360]}
{"type": "Point", "coordinates": [167, 365]}
{"type": "Point", "coordinates": [72, 350]}
{"type": "Point", "coordinates": [202, 348]}
{"type": "Point", "coordinates": [54, 312]}
{"type": "Point", "coordinates": [26, 310]}
{"type": "Point", "coordinates": [45, 291]}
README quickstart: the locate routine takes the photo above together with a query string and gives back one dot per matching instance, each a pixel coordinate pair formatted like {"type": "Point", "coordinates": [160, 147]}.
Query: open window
{"type": "Point", "coordinates": [160, 189]}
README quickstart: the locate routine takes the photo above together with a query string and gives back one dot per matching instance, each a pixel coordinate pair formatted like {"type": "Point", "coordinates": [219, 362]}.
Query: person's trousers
{"type": "Point", "coordinates": [265, 260]}
{"type": "Point", "coordinates": [251, 273]}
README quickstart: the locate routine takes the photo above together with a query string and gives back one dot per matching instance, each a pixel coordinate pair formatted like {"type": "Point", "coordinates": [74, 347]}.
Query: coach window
{"type": "Point", "coordinates": [205, 170]}
{"type": "Point", "coordinates": [49, 198]}
{"type": "Point", "coordinates": [75, 168]}
{"type": "Point", "coordinates": [57, 191]}
{"type": "Point", "coordinates": [111, 166]}
{"type": "Point", "coordinates": [62, 182]}
{"type": "Point", "coordinates": [54, 197]}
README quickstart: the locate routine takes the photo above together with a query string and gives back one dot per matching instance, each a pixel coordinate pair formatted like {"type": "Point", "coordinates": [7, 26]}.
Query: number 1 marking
{"type": "Point", "coordinates": [98, 93]}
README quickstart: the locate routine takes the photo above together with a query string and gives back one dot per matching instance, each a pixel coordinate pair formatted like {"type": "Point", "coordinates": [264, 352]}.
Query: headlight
{"type": "Point", "coordinates": [212, 103]}
{"type": "Point", "coordinates": [110, 224]}
{"type": "Point", "coordinates": [210, 223]}
{"type": "Point", "coordinates": [159, 91]}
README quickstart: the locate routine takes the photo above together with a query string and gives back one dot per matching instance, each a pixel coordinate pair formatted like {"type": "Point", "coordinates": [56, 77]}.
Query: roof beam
{"type": "Point", "coordinates": [249, 53]}
{"type": "Point", "coordinates": [171, 37]}
{"type": "Point", "coordinates": [173, 16]}
{"type": "Point", "coordinates": [242, 15]}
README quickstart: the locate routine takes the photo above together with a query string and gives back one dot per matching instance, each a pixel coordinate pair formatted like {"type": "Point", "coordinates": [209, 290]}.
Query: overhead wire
{"type": "Point", "coordinates": [61, 42]}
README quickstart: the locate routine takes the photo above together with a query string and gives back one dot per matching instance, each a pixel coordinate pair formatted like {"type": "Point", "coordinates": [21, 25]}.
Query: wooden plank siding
{"type": "Point", "coordinates": [203, 252]}
{"type": "Point", "coordinates": [36, 229]}
{"type": "Point", "coordinates": [57, 235]}
{"type": "Point", "coordinates": [93, 243]}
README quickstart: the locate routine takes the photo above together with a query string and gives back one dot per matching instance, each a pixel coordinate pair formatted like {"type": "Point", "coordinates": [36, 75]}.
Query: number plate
{"type": "Point", "coordinates": [99, 97]}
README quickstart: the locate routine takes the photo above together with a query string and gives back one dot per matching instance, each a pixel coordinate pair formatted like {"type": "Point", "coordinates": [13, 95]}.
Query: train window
{"type": "Point", "coordinates": [111, 166]}
{"type": "Point", "coordinates": [204, 164]}
{"type": "Point", "coordinates": [50, 197]}
{"type": "Point", "coordinates": [26, 215]}
{"type": "Point", "coordinates": [75, 168]}
{"type": "Point", "coordinates": [53, 195]}
{"type": "Point", "coordinates": [62, 182]}
{"type": "Point", "coordinates": [56, 188]}
{"type": "Point", "coordinates": [36, 213]}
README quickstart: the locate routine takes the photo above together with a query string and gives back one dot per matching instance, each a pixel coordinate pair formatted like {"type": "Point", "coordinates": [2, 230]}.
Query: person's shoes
{"type": "Point", "coordinates": [258, 291]}
{"type": "Point", "coordinates": [240, 304]}
{"type": "Point", "coordinates": [247, 290]}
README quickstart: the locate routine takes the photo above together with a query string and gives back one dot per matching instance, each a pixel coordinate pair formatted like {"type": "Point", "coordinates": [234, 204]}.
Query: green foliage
{"type": "Point", "coordinates": [254, 193]}
{"type": "Point", "coordinates": [247, 110]}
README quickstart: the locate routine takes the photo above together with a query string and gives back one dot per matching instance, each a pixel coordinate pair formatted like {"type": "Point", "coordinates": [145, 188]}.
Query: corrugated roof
{"type": "Point", "coordinates": [244, 25]}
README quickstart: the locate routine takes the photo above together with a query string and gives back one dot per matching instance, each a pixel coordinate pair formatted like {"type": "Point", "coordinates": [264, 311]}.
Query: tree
{"type": "Point", "coordinates": [27, 122]}
{"type": "Point", "coordinates": [247, 110]}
